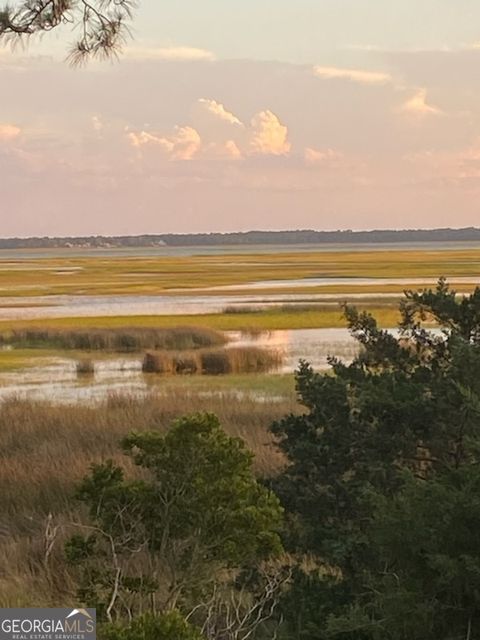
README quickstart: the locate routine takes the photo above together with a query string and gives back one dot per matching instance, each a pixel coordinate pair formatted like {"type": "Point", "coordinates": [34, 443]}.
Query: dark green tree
{"type": "Point", "coordinates": [160, 542]}
{"type": "Point", "coordinates": [382, 441]}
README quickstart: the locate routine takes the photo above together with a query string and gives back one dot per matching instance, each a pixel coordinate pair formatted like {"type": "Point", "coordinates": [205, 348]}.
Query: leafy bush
{"type": "Point", "coordinates": [197, 511]}
{"type": "Point", "coordinates": [170, 626]}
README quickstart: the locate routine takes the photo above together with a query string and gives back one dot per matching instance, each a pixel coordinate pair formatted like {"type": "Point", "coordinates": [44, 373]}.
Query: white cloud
{"type": "Point", "coordinates": [226, 137]}
{"type": "Point", "coordinates": [144, 138]}
{"type": "Point", "coordinates": [218, 110]}
{"type": "Point", "coordinates": [170, 53]}
{"type": "Point", "coordinates": [9, 132]}
{"type": "Point", "coordinates": [97, 123]}
{"type": "Point", "coordinates": [232, 150]}
{"type": "Point", "coordinates": [269, 136]}
{"type": "Point", "coordinates": [315, 157]}
{"type": "Point", "coordinates": [184, 144]}
{"type": "Point", "coordinates": [360, 76]}
{"type": "Point", "coordinates": [417, 105]}
{"type": "Point", "coordinates": [228, 150]}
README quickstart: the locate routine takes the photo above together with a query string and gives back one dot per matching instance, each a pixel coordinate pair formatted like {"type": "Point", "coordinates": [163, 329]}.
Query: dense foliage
{"type": "Point", "coordinates": [170, 626]}
{"type": "Point", "coordinates": [383, 485]}
{"type": "Point", "coordinates": [194, 520]}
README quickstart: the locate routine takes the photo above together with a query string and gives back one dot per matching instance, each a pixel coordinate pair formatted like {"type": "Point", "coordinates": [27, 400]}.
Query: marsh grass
{"type": "Point", "coordinates": [234, 309]}
{"type": "Point", "coordinates": [45, 450]}
{"type": "Point", "coordinates": [244, 320]}
{"type": "Point", "coordinates": [85, 367]}
{"type": "Point", "coordinates": [174, 274]}
{"type": "Point", "coordinates": [242, 360]}
{"type": "Point", "coordinates": [303, 307]}
{"type": "Point", "coordinates": [113, 339]}
{"type": "Point", "coordinates": [13, 359]}
{"type": "Point", "coordinates": [163, 362]}
{"type": "Point", "coordinates": [213, 361]}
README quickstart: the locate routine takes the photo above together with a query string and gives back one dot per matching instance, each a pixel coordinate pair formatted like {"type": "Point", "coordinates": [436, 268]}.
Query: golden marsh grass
{"type": "Point", "coordinates": [45, 450]}
{"type": "Point", "coordinates": [266, 320]}
{"type": "Point", "coordinates": [166, 274]}
{"type": "Point", "coordinates": [213, 361]}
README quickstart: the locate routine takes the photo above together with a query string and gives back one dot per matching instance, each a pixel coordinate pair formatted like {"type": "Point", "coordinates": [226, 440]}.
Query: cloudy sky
{"type": "Point", "coordinates": [249, 114]}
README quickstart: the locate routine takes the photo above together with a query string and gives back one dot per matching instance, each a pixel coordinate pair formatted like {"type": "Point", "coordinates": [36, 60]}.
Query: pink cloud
{"type": "Point", "coordinates": [9, 132]}
{"type": "Point", "coordinates": [184, 144]}
{"type": "Point", "coordinates": [314, 157]}
{"type": "Point", "coordinates": [225, 136]}
{"type": "Point", "coordinates": [268, 135]}
{"type": "Point", "coordinates": [418, 105]}
{"type": "Point", "coordinates": [360, 76]}
{"type": "Point", "coordinates": [218, 111]}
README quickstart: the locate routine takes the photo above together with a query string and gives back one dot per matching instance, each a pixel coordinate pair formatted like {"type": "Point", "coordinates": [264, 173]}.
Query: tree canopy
{"type": "Point", "coordinates": [101, 26]}
{"type": "Point", "coordinates": [383, 485]}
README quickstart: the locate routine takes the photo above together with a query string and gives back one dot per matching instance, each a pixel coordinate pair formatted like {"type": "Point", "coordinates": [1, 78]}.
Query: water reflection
{"type": "Point", "coordinates": [313, 345]}
{"type": "Point", "coordinates": [23, 308]}
{"type": "Point", "coordinates": [181, 302]}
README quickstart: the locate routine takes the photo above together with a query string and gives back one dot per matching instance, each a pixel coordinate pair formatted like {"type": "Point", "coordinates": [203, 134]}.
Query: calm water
{"type": "Point", "coordinates": [65, 306]}
{"type": "Point", "coordinates": [315, 282]}
{"type": "Point", "coordinates": [84, 306]}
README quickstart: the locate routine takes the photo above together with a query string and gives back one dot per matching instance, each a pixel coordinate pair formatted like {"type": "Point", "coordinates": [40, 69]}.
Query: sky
{"type": "Point", "coordinates": [252, 114]}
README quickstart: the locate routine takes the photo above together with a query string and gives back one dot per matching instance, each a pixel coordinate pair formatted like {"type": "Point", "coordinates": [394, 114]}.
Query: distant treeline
{"type": "Point", "coordinates": [304, 236]}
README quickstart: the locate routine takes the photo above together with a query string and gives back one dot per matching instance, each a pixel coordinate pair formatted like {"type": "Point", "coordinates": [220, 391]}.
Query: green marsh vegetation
{"type": "Point", "coordinates": [175, 275]}
{"type": "Point", "coordinates": [246, 320]}
{"type": "Point", "coordinates": [178, 276]}
{"type": "Point", "coordinates": [15, 359]}
{"type": "Point", "coordinates": [112, 339]}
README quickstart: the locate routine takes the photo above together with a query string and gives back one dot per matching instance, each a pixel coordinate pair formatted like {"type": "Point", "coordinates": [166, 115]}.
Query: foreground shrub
{"type": "Point", "coordinates": [198, 512]}
{"type": "Point", "coordinates": [170, 626]}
